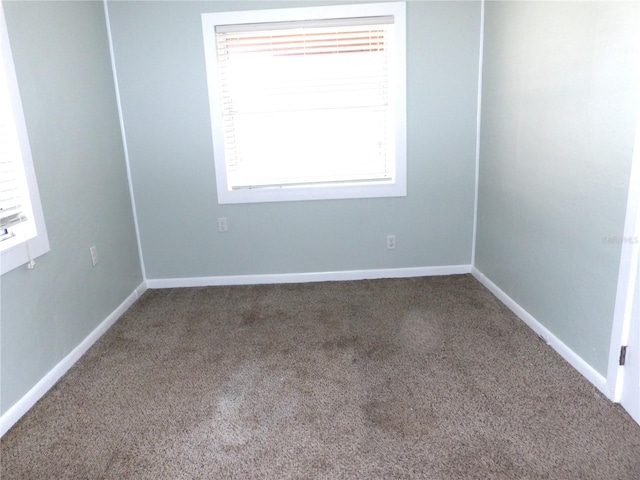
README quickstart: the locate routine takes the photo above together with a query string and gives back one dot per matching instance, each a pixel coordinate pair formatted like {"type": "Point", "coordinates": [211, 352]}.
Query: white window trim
{"type": "Point", "coordinates": [397, 188]}
{"type": "Point", "coordinates": [22, 251]}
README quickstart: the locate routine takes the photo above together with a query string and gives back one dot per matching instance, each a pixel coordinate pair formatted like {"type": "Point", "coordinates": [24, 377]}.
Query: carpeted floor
{"type": "Point", "coordinates": [409, 378]}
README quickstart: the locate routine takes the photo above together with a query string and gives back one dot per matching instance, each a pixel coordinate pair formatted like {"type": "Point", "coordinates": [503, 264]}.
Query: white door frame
{"type": "Point", "coordinates": [630, 399]}
{"type": "Point", "coordinates": [622, 382]}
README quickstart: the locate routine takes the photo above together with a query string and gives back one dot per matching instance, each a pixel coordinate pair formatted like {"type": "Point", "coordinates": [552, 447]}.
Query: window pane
{"type": "Point", "coordinates": [16, 218]}
{"type": "Point", "coordinates": [306, 105]}
{"type": "Point", "coordinates": [306, 146]}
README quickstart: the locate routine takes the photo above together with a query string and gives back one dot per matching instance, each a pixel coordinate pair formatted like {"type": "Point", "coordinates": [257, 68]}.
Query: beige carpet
{"type": "Point", "coordinates": [410, 378]}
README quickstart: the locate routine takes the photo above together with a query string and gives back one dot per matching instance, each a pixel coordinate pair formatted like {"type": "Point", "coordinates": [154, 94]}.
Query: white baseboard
{"type": "Point", "coordinates": [21, 407]}
{"type": "Point", "coordinates": [576, 361]}
{"type": "Point", "coordinates": [308, 277]}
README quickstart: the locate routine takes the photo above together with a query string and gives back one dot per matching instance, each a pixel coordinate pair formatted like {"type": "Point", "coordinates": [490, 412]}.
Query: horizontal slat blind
{"type": "Point", "coordinates": [305, 102]}
{"type": "Point", "coordinates": [13, 204]}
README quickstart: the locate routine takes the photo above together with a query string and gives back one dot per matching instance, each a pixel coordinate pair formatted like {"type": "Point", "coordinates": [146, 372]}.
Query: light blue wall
{"type": "Point", "coordinates": [159, 55]}
{"type": "Point", "coordinates": [559, 112]}
{"type": "Point", "coordinates": [64, 72]}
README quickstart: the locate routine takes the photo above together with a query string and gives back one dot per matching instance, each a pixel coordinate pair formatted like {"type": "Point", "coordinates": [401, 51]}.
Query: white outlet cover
{"type": "Point", "coordinates": [391, 242]}
{"type": "Point", "coordinates": [94, 255]}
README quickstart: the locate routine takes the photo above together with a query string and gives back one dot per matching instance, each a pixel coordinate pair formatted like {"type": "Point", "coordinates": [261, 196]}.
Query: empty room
{"type": "Point", "coordinates": [175, 303]}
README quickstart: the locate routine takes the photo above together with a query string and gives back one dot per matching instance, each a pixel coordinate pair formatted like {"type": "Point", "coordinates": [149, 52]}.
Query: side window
{"type": "Point", "coordinates": [23, 235]}
{"type": "Point", "coordinates": [308, 103]}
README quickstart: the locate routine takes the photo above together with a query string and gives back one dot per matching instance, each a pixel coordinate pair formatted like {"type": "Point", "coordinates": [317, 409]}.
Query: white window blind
{"type": "Point", "coordinates": [15, 206]}
{"type": "Point", "coordinates": [307, 102]}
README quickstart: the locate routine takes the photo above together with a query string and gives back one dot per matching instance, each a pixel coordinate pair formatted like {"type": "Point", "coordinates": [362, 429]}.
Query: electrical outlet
{"type": "Point", "coordinates": [222, 224]}
{"type": "Point", "coordinates": [391, 242]}
{"type": "Point", "coordinates": [94, 255]}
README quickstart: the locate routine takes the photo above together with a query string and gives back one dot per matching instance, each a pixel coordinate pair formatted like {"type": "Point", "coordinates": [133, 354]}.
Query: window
{"type": "Point", "coordinates": [308, 103]}
{"type": "Point", "coordinates": [23, 235]}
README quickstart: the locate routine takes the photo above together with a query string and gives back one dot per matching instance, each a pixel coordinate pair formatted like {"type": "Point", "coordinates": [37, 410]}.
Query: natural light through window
{"type": "Point", "coordinates": [22, 231]}
{"type": "Point", "coordinates": [15, 206]}
{"type": "Point", "coordinates": [307, 103]}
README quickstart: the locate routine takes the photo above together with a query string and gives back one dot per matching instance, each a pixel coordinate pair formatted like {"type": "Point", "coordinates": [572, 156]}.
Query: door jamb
{"type": "Point", "coordinates": [627, 275]}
